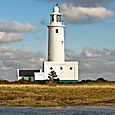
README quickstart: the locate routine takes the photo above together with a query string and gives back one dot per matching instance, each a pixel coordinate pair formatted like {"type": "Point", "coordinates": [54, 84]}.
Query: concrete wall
{"type": "Point", "coordinates": [39, 76]}
{"type": "Point", "coordinates": [64, 70]}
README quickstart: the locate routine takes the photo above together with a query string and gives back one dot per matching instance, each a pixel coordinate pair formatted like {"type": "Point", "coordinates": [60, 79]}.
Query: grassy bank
{"type": "Point", "coordinates": [61, 95]}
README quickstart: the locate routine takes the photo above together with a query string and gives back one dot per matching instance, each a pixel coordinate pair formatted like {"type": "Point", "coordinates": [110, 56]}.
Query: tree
{"type": "Point", "coordinates": [52, 75]}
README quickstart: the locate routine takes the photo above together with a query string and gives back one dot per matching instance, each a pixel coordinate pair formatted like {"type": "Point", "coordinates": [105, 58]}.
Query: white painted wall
{"type": "Point", "coordinates": [56, 40]}
{"type": "Point", "coordinates": [65, 73]}
{"type": "Point", "coordinates": [17, 74]}
{"type": "Point", "coordinates": [39, 76]}
{"type": "Point", "coordinates": [56, 44]}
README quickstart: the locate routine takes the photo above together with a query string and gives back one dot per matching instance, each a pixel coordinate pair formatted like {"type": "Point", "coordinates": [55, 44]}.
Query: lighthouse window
{"type": "Point", "coordinates": [51, 68]}
{"type": "Point", "coordinates": [61, 42]}
{"type": "Point", "coordinates": [61, 68]}
{"type": "Point", "coordinates": [56, 30]}
{"type": "Point", "coordinates": [58, 18]}
{"type": "Point", "coordinates": [70, 68]}
{"type": "Point", "coordinates": [52, 18]}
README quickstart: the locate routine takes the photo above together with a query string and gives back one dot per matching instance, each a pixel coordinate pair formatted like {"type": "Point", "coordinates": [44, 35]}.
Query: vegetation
{"type": "Point", "coordinates": [89, 94]}
{"type": "Point", "coordinates": [52, 78]}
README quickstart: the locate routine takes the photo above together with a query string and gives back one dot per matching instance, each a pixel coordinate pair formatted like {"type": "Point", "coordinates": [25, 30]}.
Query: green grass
{"type": "Point", "coordinates": [61, 95]}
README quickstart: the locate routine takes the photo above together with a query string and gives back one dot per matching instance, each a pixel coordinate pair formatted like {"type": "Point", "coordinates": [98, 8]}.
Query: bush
{"type": "Point", "coordinates": [4, 82]}
{"type": "Point", "coordinates": [101, 80]}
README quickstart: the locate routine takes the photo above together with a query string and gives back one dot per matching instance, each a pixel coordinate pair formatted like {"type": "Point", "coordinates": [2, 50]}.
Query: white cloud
{"type": "Point", "coordinates": [11, 31]}
{"type": "Point", "coordinates": [88, 3]}
{"type": "Point", "coordinates": [8, 73]}
{"type": "Point", "coordinates": [91, 53]}
{"type": "Point", "coordinates": [94, 63]}
{"type": "Point", "coordinates": [70, 55]}
{"type": "Point", "coordinates": [9, 37]}
{"type": "Point", "coordinates": [81, 2]}
{"type": "Point", "coordinates": [84, 11]}
{"type": "Point", "coordinates": [90, 68]}
{"type": "Point", "coordinates": [15, 26]}
{"type": "Point", "coordinates": [85, 15]}
{"type": "Point", "coordinates": [10, 60]}
{"type": "Point", "coordinates": [97, 63]}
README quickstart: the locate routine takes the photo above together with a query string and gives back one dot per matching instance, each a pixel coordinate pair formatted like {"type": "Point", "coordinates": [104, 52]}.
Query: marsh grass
{"type": "Point", "coordinates": [61, 95]}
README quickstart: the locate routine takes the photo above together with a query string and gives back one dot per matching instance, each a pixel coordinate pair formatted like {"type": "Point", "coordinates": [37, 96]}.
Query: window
{"type": "Point", "coordinates": [61, 68]}
{"type": "Point", "coordinates": [70, 68]}
{"type": "Point", "coordinates": [56, 30]}
{"type": "Point", "coordinates": [52, 18]}
{"type": "Point", "coordinates": [61, 42]}
{"type": "Point", "coordinates": [51, 68]}
{"type": "Point", "coordinates": [58, 18]}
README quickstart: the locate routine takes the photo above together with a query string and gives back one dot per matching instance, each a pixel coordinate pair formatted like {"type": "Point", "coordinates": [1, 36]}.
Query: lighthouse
{"type": "Point", "coordinates": [56, 36]}
{"type": "Point", "coordinates": [66, 71]}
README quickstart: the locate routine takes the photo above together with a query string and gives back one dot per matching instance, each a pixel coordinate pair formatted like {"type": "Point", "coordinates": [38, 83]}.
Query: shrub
{"type": "Point", "coordinates": [101, 80]}
{"type": "Point", "coordinates": [4, 82]}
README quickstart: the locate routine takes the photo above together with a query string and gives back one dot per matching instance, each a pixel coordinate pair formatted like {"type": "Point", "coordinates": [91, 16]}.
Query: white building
{"type": "Point", "coordinates": [66, 71]}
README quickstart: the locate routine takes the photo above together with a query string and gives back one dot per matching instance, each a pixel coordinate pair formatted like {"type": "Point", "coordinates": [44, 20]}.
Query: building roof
{"type": "Point", "coordinates": [27, 73]}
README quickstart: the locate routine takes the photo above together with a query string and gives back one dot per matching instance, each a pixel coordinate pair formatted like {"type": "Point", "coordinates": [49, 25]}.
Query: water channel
{"type": "Point", "coordinates": [81, 110]}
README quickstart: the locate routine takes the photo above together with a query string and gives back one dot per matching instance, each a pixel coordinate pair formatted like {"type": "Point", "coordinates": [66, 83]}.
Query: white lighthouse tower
{"type": "Point", "coordinates": [67, 71]}
{"type": "Point", "coordinates": [56, 37]}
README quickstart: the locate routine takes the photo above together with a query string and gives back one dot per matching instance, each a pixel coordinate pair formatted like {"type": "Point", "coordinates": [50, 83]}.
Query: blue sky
{"type": "Point", "coordinates": [77, 37]}
{"type": "Point", "coordinates": [31, 12]}
{"type": "Point", "coordinates": [89, 35]}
